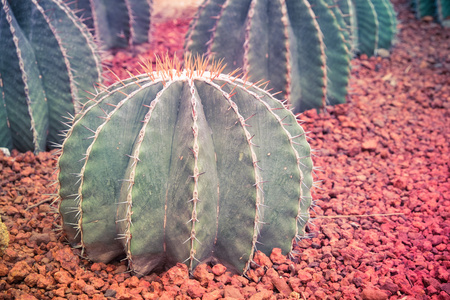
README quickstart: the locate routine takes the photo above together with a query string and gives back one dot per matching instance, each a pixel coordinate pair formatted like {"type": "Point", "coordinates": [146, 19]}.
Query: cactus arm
{"type": "Point", "coordinates": [310, 57]}
{"type": "Point", "coordinates": [386, 22]}
{"type": "Point", "coordinates": [139, 12]}
{"type": "Point", "coordinates": [338, 58]}
{"type": "Point", "coordinates": [200, 32]}
{"type": "Point", "coordinates": [229, 36]}
{"type": "Point", "coordinates": [83, 58]}
{"type": "Point", "coordinates": [367, 27]}
{"type": "Point", "coordinates": [266, 46]}
{"type": "Point", "coordinates": [24, 97]}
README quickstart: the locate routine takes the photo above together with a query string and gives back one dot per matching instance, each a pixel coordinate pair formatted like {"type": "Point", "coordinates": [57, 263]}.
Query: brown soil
{"type": "Point", "coordinates": [384, 155]}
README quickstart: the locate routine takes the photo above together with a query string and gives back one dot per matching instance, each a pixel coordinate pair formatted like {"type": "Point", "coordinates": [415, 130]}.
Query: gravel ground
{"type": "Point", "coordinates": [381, 221]}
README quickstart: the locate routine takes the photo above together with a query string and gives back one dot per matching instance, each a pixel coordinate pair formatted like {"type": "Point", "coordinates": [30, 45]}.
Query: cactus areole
{"type": "Point", "coordinates": [185, 166]}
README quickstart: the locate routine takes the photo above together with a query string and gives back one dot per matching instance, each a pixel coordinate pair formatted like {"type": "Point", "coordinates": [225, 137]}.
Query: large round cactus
{"type": "Point", "coordinates": [48, 60]}
{"type": "Point", "coordinates": [184, 166]}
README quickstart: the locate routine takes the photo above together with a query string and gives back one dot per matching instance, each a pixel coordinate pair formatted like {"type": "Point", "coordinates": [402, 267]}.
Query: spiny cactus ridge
{"type": "Point", "coordinates": [184, 166]}
{"type": "Point", "coordinates": [116, 23]}
{"type": "Point", "coordinates": [48, 62]}
{"type": "Point", "coordinates": [309, 42]}
{"type": "Point", "coordinates": [434, 8]}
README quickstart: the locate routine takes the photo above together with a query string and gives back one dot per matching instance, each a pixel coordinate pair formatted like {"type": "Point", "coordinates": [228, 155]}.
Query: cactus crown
{"type": "Point", "coordinates": [184, 165]}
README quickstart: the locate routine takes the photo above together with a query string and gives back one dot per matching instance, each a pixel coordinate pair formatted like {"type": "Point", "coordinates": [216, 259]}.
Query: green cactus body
{"type": "Point", "coordinates": [387, 23]}
{"type": "Point", "coordinates": [424, 8]}
{"type": "Point", "coordinates": [279, 41]}
{"type": "Point", "coordinates": [45, 68]}
{"type": "Point", "coordinates": [348, 10]}
{"type": "Point", "coordinates": [184, 166]}
{"type": "Point", "coordinates": [368, 27]}
{"type": "Point", "coordinates": [117, 23]}
{"type": "Point", "coordinates": [336, 51]}
{"type": "Point", "coordinates": [443, 12]}
{"type": "Point", "coordinates": [435, 8]}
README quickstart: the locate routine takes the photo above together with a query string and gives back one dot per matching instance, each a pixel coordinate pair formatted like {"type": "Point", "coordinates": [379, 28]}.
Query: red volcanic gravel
{"type": "Point", "coordinates": [381, 222]}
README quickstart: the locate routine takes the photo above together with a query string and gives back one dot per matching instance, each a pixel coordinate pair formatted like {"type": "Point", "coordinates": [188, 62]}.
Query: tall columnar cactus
{"type": "Point", "coordinates": [48, 61]}
{"type": "Point", "coordinates": [280, 41]}
{"type": "Point", "coordinates": [116, 23]}
{"type": "Point", "coordinates": [184, 166]}
{"type": "Point", "coordinates": [435, 8]}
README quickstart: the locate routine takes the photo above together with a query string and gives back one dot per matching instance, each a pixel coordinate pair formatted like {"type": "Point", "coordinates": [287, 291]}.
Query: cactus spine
{"type": "Point", "coordinates": [184, 166]}
{"type": "Point", "coordinates": [117, 23]}
{"type": "Point", "coordinates": [46, 64]}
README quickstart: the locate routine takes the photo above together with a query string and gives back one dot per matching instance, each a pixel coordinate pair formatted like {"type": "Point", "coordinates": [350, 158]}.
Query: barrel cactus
{"type": "Point", "coordinates": [434, 8]}
{"type": "Point", "coordinates": [376, 25]}
{"type": "Point", "coordinates": [184, 166]}
{"type": "Point", "coordinates": [48, 62]}
{"type": "Point", "coordinates": [280, 41]}
{"type": "Point", "coordinates": [116, 23]}
{"type": "Point", "coordinates": [303, 47]}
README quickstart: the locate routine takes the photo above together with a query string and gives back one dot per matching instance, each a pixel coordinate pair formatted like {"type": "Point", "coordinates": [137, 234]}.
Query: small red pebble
{"type": "Point", "coordinates": [372, 294]}
{"type": "Point", "coordinates": [219, 269]}
{"type": "Point", "coordinates": [262, 260]}
{"type": "Point", "coordinates": [276, 257]}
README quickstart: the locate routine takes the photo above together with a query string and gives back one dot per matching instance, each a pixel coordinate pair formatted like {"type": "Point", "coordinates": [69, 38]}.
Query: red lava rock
{"type": "Point", "coordinates": [67, 259]}
{"type": "Point", "coordinates": [193, 288]}
{"type": "Point", "coordinates": [262, 260]}
{"type": "Point", "coordinates": [3, 269]}
{"type": "Point", "coordinates": [218, 269]}
{"type": "Point", "coordinates": [63, 277]}
{"type": "Point", "coordinates": [304, 276]}
{"type": "Point", "coordinates": [202, 274]}
{"type": "Point", "coordinates": [372, 294]}
{"type": "Point", "coordinates": [277, 257]}
{"type": "Point", "coordinates": [20, 270]}
{"type": "Point", "coordinates": [97, 283]}
{"type": "Point", "coordinates": [176, 275]}
{"type": "Point", "coordinates": [232, 292]}
{"type": "Point", "coordinates": [278, 282]}
{"type": "Point", "coordinates": [213, 295]}
{"type": "Point", "coordinates": [263, 295]}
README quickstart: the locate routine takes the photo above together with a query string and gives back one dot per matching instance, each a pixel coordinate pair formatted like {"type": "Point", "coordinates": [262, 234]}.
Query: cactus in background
{"type": "Point", "coordinates": [376, 23]}
{"type": "Point", "coordinates": [47, 62]}
{"type": "Point", "coordinates": [184, 166]}
{"type": "Point", "coordinates": [337, 50]}
{"type": "Point", "coordinates": [280, 41]}
{"type": "Point", "coordinates": [309, 42]}
{"type": "Point", "coordinates": [434, 8]}
{"type": "Point", "coordinates": [117, 23]}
